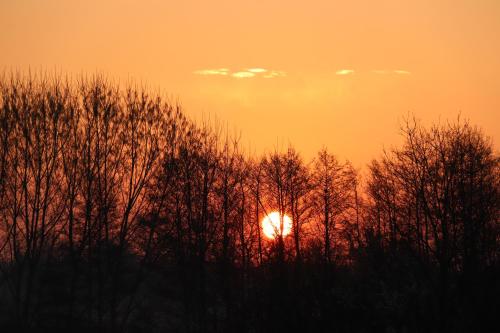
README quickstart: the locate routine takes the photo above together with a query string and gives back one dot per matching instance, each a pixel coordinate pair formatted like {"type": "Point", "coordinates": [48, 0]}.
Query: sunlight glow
{"type": "Point", "coordinates": [271, 225]}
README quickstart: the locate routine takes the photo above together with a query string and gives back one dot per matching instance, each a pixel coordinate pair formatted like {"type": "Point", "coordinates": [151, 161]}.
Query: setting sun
{"type": "Point", "coordinates": [247, 166]}
{"type": "Point", "coordinates": [271, 225]}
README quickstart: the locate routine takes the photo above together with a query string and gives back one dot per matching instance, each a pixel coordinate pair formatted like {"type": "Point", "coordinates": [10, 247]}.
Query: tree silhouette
{"type": "Point", "coordinates": [119, 213]}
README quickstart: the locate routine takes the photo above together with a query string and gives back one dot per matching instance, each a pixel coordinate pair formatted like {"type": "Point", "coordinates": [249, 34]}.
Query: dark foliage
{"type": "Point", "coordinates": [119, 214]}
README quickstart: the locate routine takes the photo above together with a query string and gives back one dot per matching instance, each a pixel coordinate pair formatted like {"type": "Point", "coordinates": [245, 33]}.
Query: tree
{"type": "Point", "coordinates": [439, 194]}
{"type": "Point", "coordinates": [333, 196]}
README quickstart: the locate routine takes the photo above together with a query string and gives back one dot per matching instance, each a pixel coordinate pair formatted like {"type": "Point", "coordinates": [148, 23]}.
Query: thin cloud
{"type": "Point", "coordinates": [243, 75]}
{"type": "Point", "coordinates": [396, 71]}
{"type": "Point", "coordinates": [256, 70]}
{"type": "Point", "coordinates": [344, 72]}
{"type": "Point", "coordinates": [219, 71]}
{"type": "Point", "coordinates": [273, 74]}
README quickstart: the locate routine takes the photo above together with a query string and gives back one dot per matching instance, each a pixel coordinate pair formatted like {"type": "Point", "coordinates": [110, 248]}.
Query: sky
{"type": "Point", "coordinates": [314, 74]}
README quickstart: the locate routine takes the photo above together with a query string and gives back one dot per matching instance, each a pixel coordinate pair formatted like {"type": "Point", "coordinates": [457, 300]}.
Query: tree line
{"type": "Point", "coordinates": [119, 213]}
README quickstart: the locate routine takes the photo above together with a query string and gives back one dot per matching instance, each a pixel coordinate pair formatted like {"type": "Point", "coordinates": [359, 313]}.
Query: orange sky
{"type": "Point", "coordinates": [338, 73]}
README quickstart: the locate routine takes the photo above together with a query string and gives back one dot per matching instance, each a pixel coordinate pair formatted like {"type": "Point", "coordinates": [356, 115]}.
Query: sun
{"type": "Point", "coordinates": [271, 225]}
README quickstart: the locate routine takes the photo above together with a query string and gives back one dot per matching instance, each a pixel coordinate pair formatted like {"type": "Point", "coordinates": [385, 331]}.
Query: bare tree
{"type": "Point", "coordinates": [333, 196]}
{"type": "Point", "coordinates": [439, 192]}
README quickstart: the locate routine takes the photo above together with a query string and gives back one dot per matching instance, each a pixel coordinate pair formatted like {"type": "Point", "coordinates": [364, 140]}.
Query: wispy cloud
{"type": "Point", "coordinates": [396, 71]}
{"type": "Point", "coordinates": [344, 72]}
{"type": "Point", "coordinates": [219, 71]}
{"type": "Point", "coordinates": [273, 74]}
{"type": "Point", "coordinates": [242, 74]}
{"type": "Point", "coordinates": [256, 70]}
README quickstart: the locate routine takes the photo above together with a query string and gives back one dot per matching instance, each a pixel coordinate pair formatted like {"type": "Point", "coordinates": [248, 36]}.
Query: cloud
{"type": "Point", "coordinates": [344, 72]}
{"type": "Point", "coordinates": [219, 71]}
{"type": "Point", "coordinates": [273, 74]}
{"type": "Point", "coordinates": [396, 71]}
{"type": "Point", "coordinates": [256, 70]}
{"type": "Point", "coordinates": [242, 75]}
